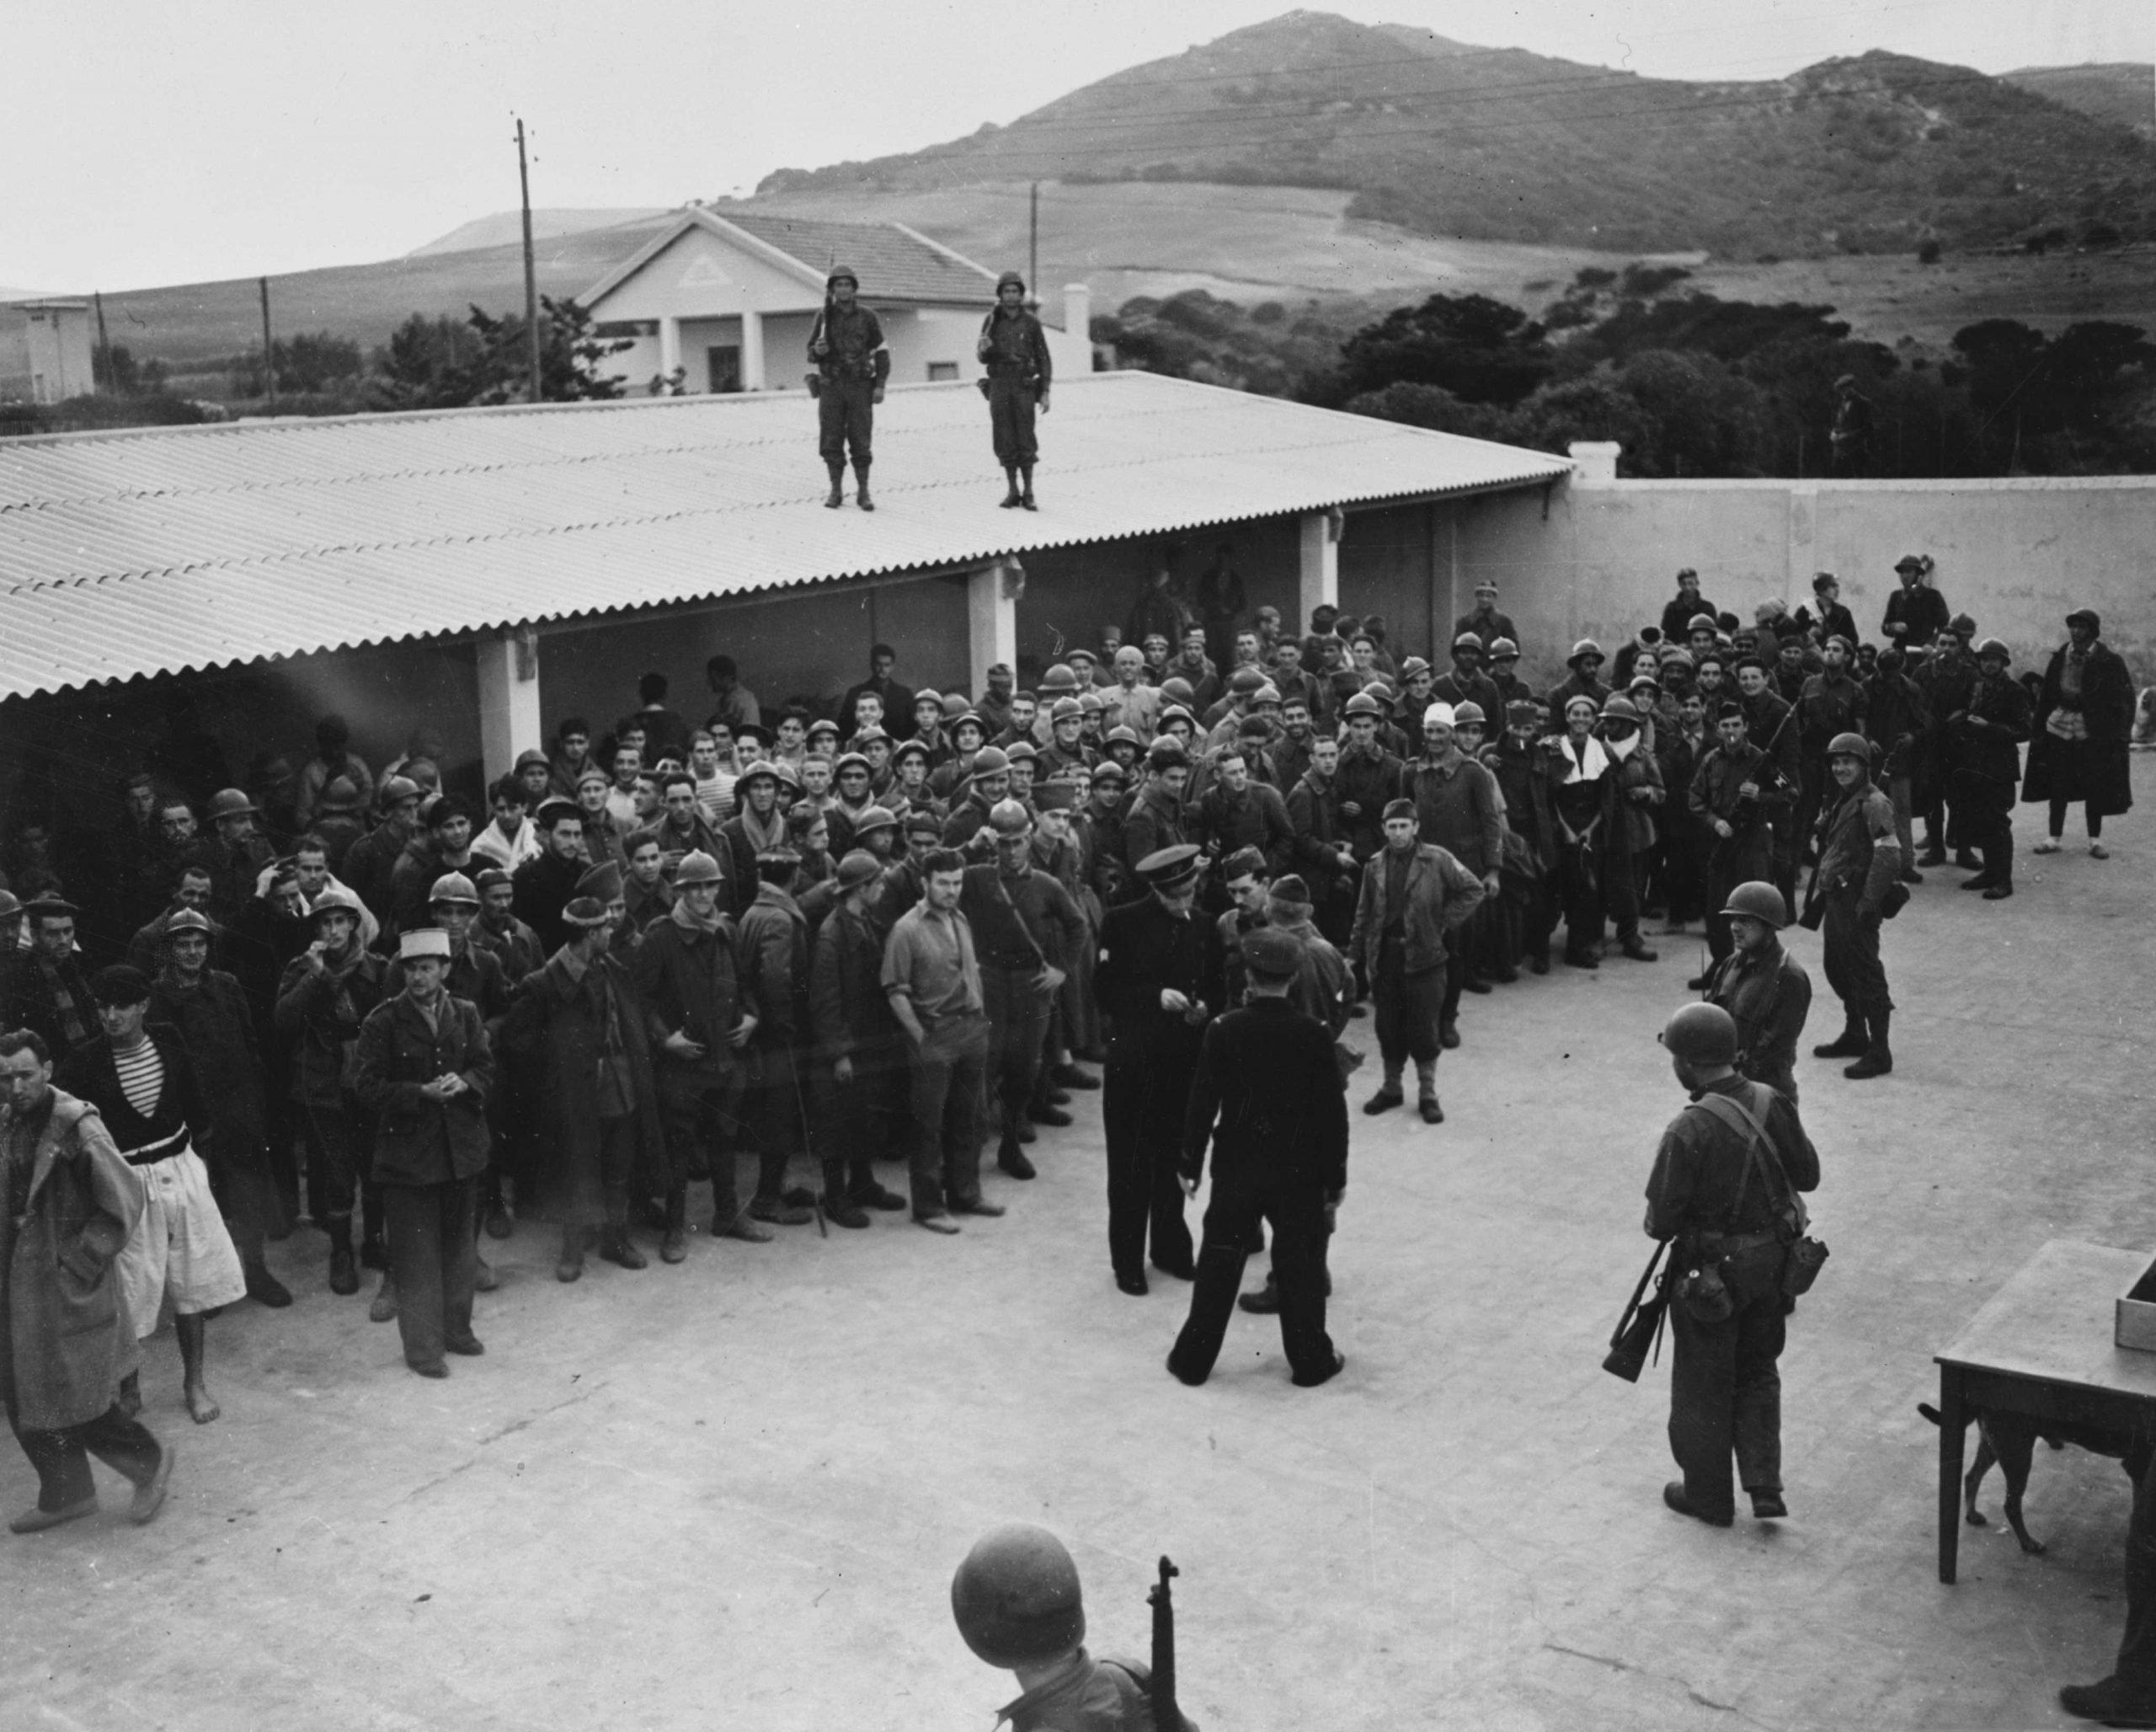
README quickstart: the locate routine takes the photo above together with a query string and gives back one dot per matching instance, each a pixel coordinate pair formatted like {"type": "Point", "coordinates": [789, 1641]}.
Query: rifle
{"type": "Point", "coordinates": [814, 378]}
{"type": "Point", "coordinates": [1162, 1688]}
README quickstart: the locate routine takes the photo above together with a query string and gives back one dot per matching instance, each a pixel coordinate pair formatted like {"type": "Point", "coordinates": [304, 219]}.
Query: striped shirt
{"type": "Point", "coordinates": [142, 1076]}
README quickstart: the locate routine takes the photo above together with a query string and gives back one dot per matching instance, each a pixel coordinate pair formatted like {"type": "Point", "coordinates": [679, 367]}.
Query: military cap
{"type": "Point", "coordinates": [423, 941]}
{"type": "Point", "coordinates": [956, 704]}
{"type": "Point", "coordinates": [1963, 626]}
{"type": "Point", "coordinates": [586, 912]}
{"type": "Point", "coordinates": [1618, 707]}
{"type": "Point", "coordinates": [1290, 887]}
{"type": "Point", "coordinates": [1056, 796]}
{"type": "Point", "coordinates": [1178, 690]}
{"type": "Point", "coordinates": [858, 868]}
{"type": "Point", "coordinates": [910, 748]}
{"type": "Point", "coordinates": [335, 900]}
{"type": "Point", "coordinates": [928, 694]}
{"type": "Point", "coordinates": [1440, 715]}
{"type": "Point", "coordinates": [1009, 279]}
{"type": "Point", "coordinates": [396, 789]}
{"type": "Point", "coordinates": [2085, 615]}
{"type": "Point", "coordinates": [1363, 704]}
{"type": "Point", "coordinates": [454, 887]}
{"type": "Point", "coordinates": [1582, 649]}
{"type": "Point", "coordinates": [1266, 693]}
{"type": "Point", "coordinates": [1500, 648]}
{"type": "Point", "coordinates": [1269, 612]}
{"type": "Point", "coordinates": [587, 777]}
{"type": "Point", "coordinates": [874, 818]}
{"type": "Point", "coordinates": [841, 274]}
{"type": "Point", "coordinates": [696, 866]}
{"type": "Point", "coordinates": [1121, 735]}
{"type": "Point", "coordinates": [1175, 712]}
{"type": "Point", "coordinates": [991, 760]}
{"type": "Point", "coordinates": [1059, 678]}
{"type": "Point", "coordinates": [1399, 808]}
{"type": "Point", "coordinates": [228, 802]}
{"type": "Point", "coordinates": [789, 778]}
{"type": "Point", "coordinates": [1464, 714]}
{"type": "Point", "coordinates": [1079, 652]}
{"type": "Point", "coordinates": [184, 920]}
{"type": "Point", "coordinates": [1413, 665]}
{"type": "Point", "coordinates": [1165, 753]}
{"type": "Point", "coordinates": [1064, 709]}
{"type": "Point", "coordinates": [1168, 868]}
{"type": "Point", "coordinates": [1468, 640]}
{"type": "Point", "coordinates": [1108, 770]}
{"type": "Point", "coordinates": [862, 736]}
{"type": "Point", "coordinates": [1243, 860]}
{"type": "Point", "coordinates": [1022, 748]}
{"type": "Point", "coordinates": [1993, 646]}
{"type": "Point", "coordinates": [602, 883]}
{"type": "Point", "coordinates": [119, 985]}
{"type": "Point", "coordinates": [1854, 745]}
{"type": "Point", "coordinates": [1909, 562]}
{"type": "Point", "coordinates": [1270, 954]}
{"type": "Point", "coordinates": [1842, 637]}
{"type": "Point", "coordinates": [763, 768]}
{"type": "Point", "coordinates": [1091, 702]}
{"type": "Point", "coordinates": [1701, 1034]}
{"type": "Point", "coordinates": [849, 761]}
{"type": "Point", "coordinates": [1758, 900]}
{"type": "Point", "coordinates": [1246, 678]}
{"type": "Point", "coordinates": [1701, 623]}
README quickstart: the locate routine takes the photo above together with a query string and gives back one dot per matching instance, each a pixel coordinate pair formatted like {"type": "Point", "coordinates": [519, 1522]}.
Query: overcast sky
{"type": "Point", "coordinates": [164, 143]}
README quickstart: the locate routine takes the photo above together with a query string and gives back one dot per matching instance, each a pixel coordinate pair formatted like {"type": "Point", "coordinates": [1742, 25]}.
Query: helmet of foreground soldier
{"type": "Point", "coordinates": [1854, 745]}
{"type": "Point", "coordinates": [1701, 1035]}
{"type": "Point", "coordinates": [1009, 819]}
{"type": "Point", "coordinates": [1758, 901]}
{"type": "Point", "coordinates": [1016, 1597]}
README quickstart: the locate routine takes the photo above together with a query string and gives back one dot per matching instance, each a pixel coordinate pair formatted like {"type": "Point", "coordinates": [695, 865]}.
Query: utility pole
{"type": "Point", "coordinates": [105, 342]}
{"type": "Point", "coordinates": [1034, 247]}
{"type": "Point", "coordinates": [268, 354]}
{"type": "Point", "coordinates": [531, 274]}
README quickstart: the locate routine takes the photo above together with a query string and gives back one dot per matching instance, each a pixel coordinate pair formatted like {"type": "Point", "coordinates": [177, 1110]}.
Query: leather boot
{"type": "Point", "coordinates": [615, 1246]}
{"type": "Point", "coordinates": [674, 1248]}
{"type": "Point", "coordinates": [861, 487]}
{"type": "Point", "coordinates": [344, 1267]}
{"type": "Point", "coordinates": [1011, 499]}
{"type": "Point", "coordinates": [1010, 1158]}
{"type": "Point", "coordinates": [570, 1264]}
{"type": "Point", "coordinates": [1877, 1060]}
{"type": "Point", "coordinates": [1999, 869]}
{"type": "Point", "coordinates": [1850, 1043]}
{"type": "Point", "coordinates": [1389, 1095]}
{"type": "Point", "coordinates": [1426, 1088]}
{"type": "Point", "coordinates": [1025, 498]}
{"type": "Point", "coordinates": [836, 497]}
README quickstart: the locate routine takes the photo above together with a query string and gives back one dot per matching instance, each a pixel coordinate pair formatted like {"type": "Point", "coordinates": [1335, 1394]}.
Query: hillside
{"type": "Point", "coordinates": [2121, 91]}
{"type": "Point", "coordinates": [505, 228]}
{"type": "Point", "coordinates": [1862, 154]}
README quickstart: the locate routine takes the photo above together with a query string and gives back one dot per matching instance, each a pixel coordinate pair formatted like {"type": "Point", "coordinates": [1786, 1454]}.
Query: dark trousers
{"type": "Point", "coordinates": [858, 1120]}
{"type": "Point", "coordinates": [62, 1457]}
{"type": "Point", "coordinates": [1578, 867]}
{"type": "Point", "coordinates": [1685, 869]}
{"type": "Point", "coordinates": [1523, 920]}
{"type": "Point", "coordinates": [2091, 816]}
{"type": "Point", "coordinates": [1812, 782]}
{"type": "Point", "coordinates": [1855, 972]}
{"type": "Point", "coordinates": [1725, 1391]}
{"type": "Point", "coordinates": [434, 1263]}
{"type": "Point", "coordinates": [1010, 420]}
{"type": "Point", "coordinates": [1409, 1007]}
{"type": "Point", "coordinates": [595, 1180]}
{"type": "Point", "coordinates": [780, 1117]}
{"type": "Point", "coordinates": [246, 1196]}
{"type": "Point", "coordinates": [699, 1113]}
{"type": "Point", "coordinates": [1620, 892]}
{"type": "Point", "coordinates": [845, 416]}
{"type": "Point", "coordinates": [2136, 1662]}
{"type": "Point", "coordinates": [339, 1149]}
{"type": "Point", "coordinates": [1142, 1101]}
{"type": "Point", "coordinates": [1018, 1020]}
{"type": "Point", "coordinates": [1297, 1213]}
{"type": "Point", "coordinates": [950, 1071]}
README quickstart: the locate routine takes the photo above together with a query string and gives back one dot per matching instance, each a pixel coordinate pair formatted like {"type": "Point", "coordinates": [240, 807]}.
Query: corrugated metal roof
{"type": "Point", "coordinates": [132, 554]}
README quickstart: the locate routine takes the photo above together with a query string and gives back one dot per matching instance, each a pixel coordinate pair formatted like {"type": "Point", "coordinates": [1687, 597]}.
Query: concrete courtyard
{"type": "Point", "coordinates": [732, 1494]}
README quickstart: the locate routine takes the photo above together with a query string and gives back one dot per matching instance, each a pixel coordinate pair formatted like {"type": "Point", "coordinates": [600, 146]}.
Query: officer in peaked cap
{"type": "Point", "coordinates": [1157, 957]}
{"type": "Point", "coordinates": [1014, 348]}
{"type": "Point", "coordinates": [846, 348]}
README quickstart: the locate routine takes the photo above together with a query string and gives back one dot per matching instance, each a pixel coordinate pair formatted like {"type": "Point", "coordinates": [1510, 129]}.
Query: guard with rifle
{"type": "Point", "coordinates": [1014, 348]}
{"type": "Point", "coordinates": [1855, 886]}
{"type": "Point", "coordinates": [1733, 792]}
{"type": "Point", "coordinates": [1723, 1192]}
{"type": "Point", "coordinates": [1764, 988]}
{"type": "Point", "coordinates": [1018, 1604]}
{"type": "Point", "coordinates": [847, 350]}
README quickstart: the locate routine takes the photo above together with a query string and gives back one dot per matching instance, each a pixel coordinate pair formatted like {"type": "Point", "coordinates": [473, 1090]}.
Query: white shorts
{"type": "Point", "coordinates": [179, 1248]}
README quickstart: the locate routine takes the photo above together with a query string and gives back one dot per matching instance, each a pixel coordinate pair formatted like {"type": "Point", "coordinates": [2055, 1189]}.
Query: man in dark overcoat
{"type": "Point", "coordinates": [2084, 725]}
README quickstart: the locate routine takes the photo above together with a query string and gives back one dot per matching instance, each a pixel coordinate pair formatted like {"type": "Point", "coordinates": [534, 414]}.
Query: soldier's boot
{"type": "Point", "coordinates": [1850, 1043]}
{"type": "Point", "coordinates": [860, 487]}
{"type": "Point", "coordinates": [384, 1308]}
{"type": "Point", "coordinates": [1009, 1154]}
{"type": "Point", "coordinates": [836, 497]}
{"type": "Point", "coordinates": [1878, 1060]}
{"type": "Point", "coordinates": [1025, 498]}
{"type": "Point", "coordinates": [1388, 1095]}
{"type": "Point", "coordinates": [344, 1267]}
{"type": "Point", "coordinates": [1426, 1088]}
{"type": "Point", "coordinates": [674, 1248]}
{"type": "Point", "coordinates": [1012, 497]}
{"type": "Point", "coordinates": [1999, 869]}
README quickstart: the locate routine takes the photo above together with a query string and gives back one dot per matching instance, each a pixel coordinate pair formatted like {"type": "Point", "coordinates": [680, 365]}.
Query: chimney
{"type": "Point", "coordinates": [1078, 311]}
{"type": "Point", "coordinates": [1594, 461]}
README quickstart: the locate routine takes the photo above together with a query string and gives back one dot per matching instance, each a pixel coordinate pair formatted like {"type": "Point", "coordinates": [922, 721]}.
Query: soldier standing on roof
{"type": "Point", "coordinates": [1015, 351]}
{"type": "Point", "coordinates": [846, 348]}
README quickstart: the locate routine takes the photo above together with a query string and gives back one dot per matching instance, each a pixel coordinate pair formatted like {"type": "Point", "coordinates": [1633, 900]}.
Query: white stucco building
{"type": "Point", "coordinates": [730, 299]}
{"type": "Point", "coordinates": [44, 351]}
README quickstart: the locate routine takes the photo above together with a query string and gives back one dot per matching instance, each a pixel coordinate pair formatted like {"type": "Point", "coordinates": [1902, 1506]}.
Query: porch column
{"type": "Point", "coordinates": [992, 618]}
{"type": "Point", "coordinates": [1319, 583]}
{"type": "Point", "coordinates": [752, 350]}
{"type": "Point", "coordinates": [670, 344]}
{"type": "Point", "coordinates": [509, 699]}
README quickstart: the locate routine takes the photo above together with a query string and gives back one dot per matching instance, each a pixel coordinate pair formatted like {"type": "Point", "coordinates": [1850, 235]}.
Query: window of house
{"type": "Point", "coordinates": [942, 371]}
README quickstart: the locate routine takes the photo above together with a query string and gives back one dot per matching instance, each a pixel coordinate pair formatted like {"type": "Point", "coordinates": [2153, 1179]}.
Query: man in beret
{"type": "Point", "coordinates": [1267, 1094]}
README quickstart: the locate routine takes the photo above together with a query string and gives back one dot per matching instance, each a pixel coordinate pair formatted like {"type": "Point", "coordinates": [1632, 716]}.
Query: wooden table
{"type": "Point", "coordinates": [2042, 1346]}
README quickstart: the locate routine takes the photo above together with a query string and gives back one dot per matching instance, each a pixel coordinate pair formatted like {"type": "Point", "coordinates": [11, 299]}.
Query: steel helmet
{"type": "Point", "coordinates": [335, 899]}
{"type": "Point", "coordinates": [1466, 712]}
{"type": "Point", "coordinates": [1066, 708]}
{"type": "Point", "coordinates": [228, 802]}
{"type": "Point", "coordinates": [991, 761]}
{"type": "Point", "coordinates": [1016, 1597]}
{"type": "Point", "coordinates": [1618, 707]}
{"type": "Point", "coordinates": [1758, 901]}
{"type": "Point", "coordinates": [1701, 1035]}
{"type": "Point", "coordinates": [402, 788]}
{"type": "Point", "coordinates": [1060, 677]}
{"type": "Point", "coordinates": [454, 887]}
{"type": "Point", "coordinates": [841, 273]}
{"type": "Point", "coordinates": [1363, 704]}
{"type": "Point", "coordinates": [1007, 818]}
{"type": "Point", "coordinates": [1992, 646]}
{"type": "Point", "coordinates": [10, 905]}
{"type": "Point", "coordinates": [1581, 650]}
{"type": "Point", "coordinates": [1009, 279]}
{"type": "Point", "coordinates": [1854, 745]}
{"type": "Point", "coordinates": [696, 866]}
{"type": "Point", "coordinates": [1165, 753]}
{"type": "Point", "coordinates": [184, 920]}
